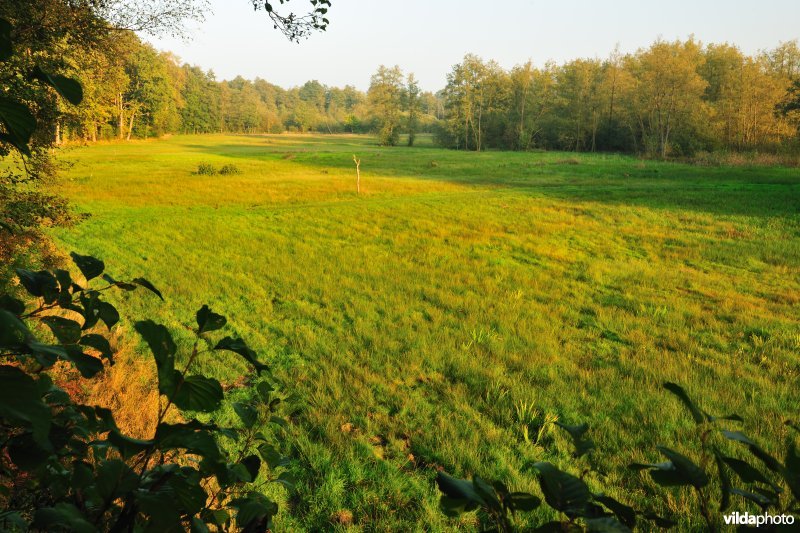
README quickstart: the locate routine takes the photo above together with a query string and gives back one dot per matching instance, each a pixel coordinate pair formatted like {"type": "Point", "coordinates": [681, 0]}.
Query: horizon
{"type": "Point", "coordinates": [427, 48]}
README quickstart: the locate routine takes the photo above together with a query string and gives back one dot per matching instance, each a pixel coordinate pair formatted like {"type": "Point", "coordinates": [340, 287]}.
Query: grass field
{"type": "Point", "coordinates": [460, 298]}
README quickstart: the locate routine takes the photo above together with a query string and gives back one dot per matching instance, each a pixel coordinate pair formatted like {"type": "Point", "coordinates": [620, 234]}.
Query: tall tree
{"type": "Point", "coordinates": [412, 106]}
{"type": "Point", "coordinates": [385, 97]}
{"type": "Point", "coordinates": [668, 90]}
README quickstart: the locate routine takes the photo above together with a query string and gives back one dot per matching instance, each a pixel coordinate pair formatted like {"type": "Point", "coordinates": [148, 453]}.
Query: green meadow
{"type": "Point", "coordinates": [447, 315]}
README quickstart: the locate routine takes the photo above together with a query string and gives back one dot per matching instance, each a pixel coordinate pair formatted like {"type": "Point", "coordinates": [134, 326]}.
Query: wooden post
{"type": "Point", "coordinates": [358, 173]}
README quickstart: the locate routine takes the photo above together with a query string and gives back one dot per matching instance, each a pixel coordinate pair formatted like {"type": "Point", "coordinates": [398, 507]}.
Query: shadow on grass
{"type": "Point", "coordinates": [607, 178]}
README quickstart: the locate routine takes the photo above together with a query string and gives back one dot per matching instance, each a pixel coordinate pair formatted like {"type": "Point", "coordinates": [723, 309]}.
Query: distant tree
{"type": "Point", "coordinates": [412, 106]}
{"type": "Point", "coordinates": [475, 89]}
{"type": "Point", "coordinates": [200, 94]}
{"type": "Point", "coordinates": [784, 60]}
{"type": "Point", "coordinates": [579, 104]}
{"type": "Point", "coordinates": [791, 105]}
{"type": "Point", "coordinates": [744, 93]}
{"type": "Point", "coordinates": [385, 97]}
{"type": "Point", "coordinates": [667, 95]}
{"type": "Point", "coordinates": [151, 101]}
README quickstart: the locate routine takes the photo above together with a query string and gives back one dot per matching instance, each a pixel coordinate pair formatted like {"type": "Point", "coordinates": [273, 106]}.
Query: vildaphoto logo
{"type": "Point", "coordinates": [758, 520]}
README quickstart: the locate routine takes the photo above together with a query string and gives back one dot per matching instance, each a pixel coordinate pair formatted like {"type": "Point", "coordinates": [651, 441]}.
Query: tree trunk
{"type": "Point", "coordinates": [130, 125]}
{"type": "Point", "coordinates": [120, 117]}
{"type": "Point", "coordinates": [358, 174]}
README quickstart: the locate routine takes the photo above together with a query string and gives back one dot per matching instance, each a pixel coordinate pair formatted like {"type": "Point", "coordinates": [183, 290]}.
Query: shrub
{"type": "Point", "coordinates": [65, 465]}
{"type": "Point", "coordinates": [229, 169]}
{"type": "Point", "coordinates": [205, 169]}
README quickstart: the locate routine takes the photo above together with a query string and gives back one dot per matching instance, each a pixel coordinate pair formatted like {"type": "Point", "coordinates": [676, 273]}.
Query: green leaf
{"type": "Point", "coordinates": [605, 524]}
{"type": "Point", "coordinates": [253, 465]}
{"type": "Point", "coordinates": [487, 493]}
{"type": "Point", "coordinates": [21, 403]}
{"type": "Point", "coordinates": [562, 491]}
{"type": "Point", "coordinates": [724, 482]}
{"type": "Point", "coordinates": [272, 457]}
{"type": "Point", "coordinates": [660, 521]}
{"type": "Point", "coordinates": [149, 286]}
{"type": "Point", "coordinates": [522, 501]}
{"type": "Point", "coordinates": [664, 474]}
{"type": "Point", "coordinates": [459, 495]}
{"type": "Point", "coordinates": [745, 471]}
{"type": "Point", "coordinates": [557, 527]}
{"type": "Point", "coordinates": [582, 445]}
{"type": "Point", "coordinates": [13, 332]}
{"type": "Point", "coordinates": [186, 487]}
{"type": "Point", "coordinates": [87, 365]}
{"type": "Point", "coordinates": [64, 516]}
{"type": "Point", "coordinates": [12, 520]}
{"type": "Point", "coordinates": [238, 346]}
{"type": "Point", "coordinates": [89, 266]}
{"type": "Point", "coordinates": [161, 509]}
{"type": "Point", "coordinates": [194, 437]}
{"type": "Point", "coordinates": [128, 447]}
{"type": "Point", "coordinates": [287, 480]}
{"type": "Point", "coordinates": [6, 47]}
{"type": "Point", "coordinates": [198, 526]}
{"type": "Point", "coordinates": [65, 330]}
{"type": "Point", "coordinates": [10, 304]}
{"type": "Point", "coordinates": [82, 475]}
{"type": "Point", "coordinates": [686, 468]}
{"type": "Point", "coordinates": [207, 320]}
{"type": "Point", "coordinates": [41, 284]}
{"type": "Point", "coordinates": [64, 279]}
{"type": "Point", "coordinates": [733, 417]}
{"type": "Point", "coordinates": [678, 391]}
{"type": "Point", "coordinates": [625, 513]}
{"type": "Point", "coordinates": [792, 471]}
{"type": "Point", "coordinates": [246, 413]}
{"type": "Point", "coordinates": [264, 391]}
{"type": "Point", "coordinates": [114, 479]}
{"type": "Point", "coordinates": [68, 88]}
{"type": "Point", "coordinates": [46, 354]}
{"type": "Point", "coordinates": [19, 124]}
{"type": "Point", "coordinates": [255, 512]}
{"type": "Point", "coordinates": [26, 453]}
{"type": "Point", "coordinates": [163, 348]}
{"type": "Point", "coordinates": [759, 499]}
{"type": "Point", "coordinates": [198, 393]}
{"type": "Point", "coordinates": [738, 436]}
{"type": "Point", "coordinates": [218, 517]}
{"type": "Point", "coordinates": [107, 313]}
{"type": "Point", "coordinates": [769, 461]}
{"type": "Point", "coordinates": [99, 343]}
{"type": "Point", "coordinates": [278, 421]}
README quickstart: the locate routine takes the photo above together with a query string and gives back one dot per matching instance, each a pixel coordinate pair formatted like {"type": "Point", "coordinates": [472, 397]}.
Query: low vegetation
{"type": "Point", "coordinates": [474, 300]}
{"type": "Point", "coordinates": [67, 466]}
{"type": "Point", "coordinates": [772, 485]}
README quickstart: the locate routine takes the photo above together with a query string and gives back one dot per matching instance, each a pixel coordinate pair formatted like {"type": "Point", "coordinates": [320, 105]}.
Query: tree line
{"type": "Point", "coordinates": [133, 91]}
{"type": "Point", "coordinates": [673, 98]}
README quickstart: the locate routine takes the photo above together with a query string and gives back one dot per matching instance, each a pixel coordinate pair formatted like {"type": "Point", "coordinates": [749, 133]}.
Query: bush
{"type": "Point", "coordinates": [67, 466]}
{"type": "Point", "coordinates": [205, 169]}
{"type": "Point", "coordinates": [229, 169]}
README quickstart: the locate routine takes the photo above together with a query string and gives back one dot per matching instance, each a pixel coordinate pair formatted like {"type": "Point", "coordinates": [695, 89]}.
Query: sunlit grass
{"type": "Point", "coordinates": [462, 298]}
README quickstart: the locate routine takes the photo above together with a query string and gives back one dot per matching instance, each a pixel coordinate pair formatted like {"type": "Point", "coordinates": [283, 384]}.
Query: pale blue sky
{"type": "Point", "coordinates": [428, 37]}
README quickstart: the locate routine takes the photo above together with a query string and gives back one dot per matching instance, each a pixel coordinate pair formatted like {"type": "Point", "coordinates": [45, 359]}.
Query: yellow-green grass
{"type": "Point", "coordinates": [460, 296]}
